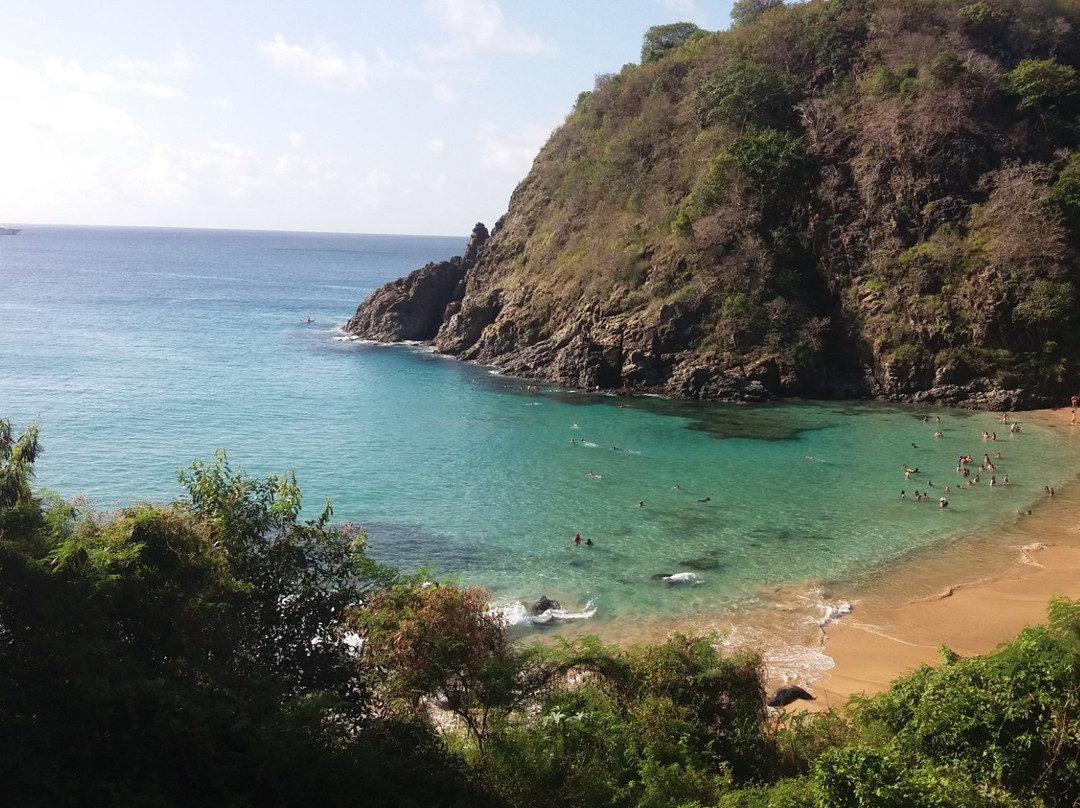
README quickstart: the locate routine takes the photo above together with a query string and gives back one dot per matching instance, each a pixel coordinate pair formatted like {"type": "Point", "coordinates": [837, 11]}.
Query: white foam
{"type": "Point", "coordinates": [516, 613]}
{"type": "Point", "coordinates": [833, 612]}
{"type": "Point", "coordinates": [785, 660]}
{"type": "Point", "coordinates": [681, 578]}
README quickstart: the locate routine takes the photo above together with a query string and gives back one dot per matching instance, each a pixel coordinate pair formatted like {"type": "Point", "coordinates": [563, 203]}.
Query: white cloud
{"type": "Point", "coordinates": [368, 191]}
{"type": "Point", "coordinates": [158, 90]}
{"type": "Point", "coordinates": [511, 151]}
{"type": "Point", "coordinates": [294, 138]}
{"type": "Point", "coordinates": [309, 175]}
{"type": "Point", "coordinates": [479, 25]}
{"type": "Point", "coordinates": [39, 104]}
{"type": "Point", "coordinates": [436, 145]}
{"type": "Point", "coordinates": [323, 63]}
{"type": "Point", "coordinates": [217, 171]}
{"type": "Point", "coordinates": [178, 62]}
{"type": "Point", "coordinates": [69, 71]}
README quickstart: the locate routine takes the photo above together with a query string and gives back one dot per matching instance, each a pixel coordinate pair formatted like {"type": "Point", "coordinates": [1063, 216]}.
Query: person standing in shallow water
{"type": "Point", "coordinates": [577, 538]}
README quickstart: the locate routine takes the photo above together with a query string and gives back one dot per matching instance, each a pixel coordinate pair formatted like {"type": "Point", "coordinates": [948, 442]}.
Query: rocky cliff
{"type": "Point", "coordinates": [833, 199]}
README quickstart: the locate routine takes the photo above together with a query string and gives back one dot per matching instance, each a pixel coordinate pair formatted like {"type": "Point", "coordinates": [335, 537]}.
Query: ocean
{"type": "Point", "coordinates": [138, 350]}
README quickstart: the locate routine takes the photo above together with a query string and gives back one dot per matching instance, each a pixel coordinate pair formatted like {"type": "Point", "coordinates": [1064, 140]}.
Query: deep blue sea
{"type": "Point", "coordinates": [138, 350]}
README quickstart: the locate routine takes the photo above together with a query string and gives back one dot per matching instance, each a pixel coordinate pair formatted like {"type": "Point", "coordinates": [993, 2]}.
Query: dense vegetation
{"type": "Point", "coordinates": [834, 197]}
{"type": "Point", "coordinates": [220, 651]}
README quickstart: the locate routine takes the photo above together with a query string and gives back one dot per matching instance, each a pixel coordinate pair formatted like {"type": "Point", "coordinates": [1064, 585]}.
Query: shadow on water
{"type": "Point", "coordinates": [410, 547]}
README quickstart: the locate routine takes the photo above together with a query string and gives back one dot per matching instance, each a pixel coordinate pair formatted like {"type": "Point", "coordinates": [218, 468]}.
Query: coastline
{"type": "Point", "coordinates": [970, 599]}
{"type": "Point", "coordinates": [839, 639]}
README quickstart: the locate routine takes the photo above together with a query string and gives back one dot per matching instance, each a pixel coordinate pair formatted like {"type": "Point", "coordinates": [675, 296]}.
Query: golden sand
{"type": "Point", "coordinates": [971, 596]}
{"type": "Point", "coordinates": [968, 602]}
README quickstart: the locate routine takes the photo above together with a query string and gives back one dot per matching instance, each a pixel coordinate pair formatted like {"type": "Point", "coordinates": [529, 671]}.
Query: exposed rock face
{"type": "Point", "coordinates": [914, 237]}
{"type": "Point", "coordinates": [413, 308]}
{"type": "Point", "coordinates": [463, 311]}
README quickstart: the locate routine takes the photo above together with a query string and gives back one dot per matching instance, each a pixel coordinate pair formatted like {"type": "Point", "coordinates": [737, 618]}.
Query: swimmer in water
{"type": "Point", "coordinates": [705, 500]}
{"type": "Point", "coordinates": [577, 538]}
{"type": "Point", "coordinates": [588, 542]}
{"type": "Point", "coordinates": [641, 503]}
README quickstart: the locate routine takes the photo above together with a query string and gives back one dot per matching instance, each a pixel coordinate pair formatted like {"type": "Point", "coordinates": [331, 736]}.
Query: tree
{"type": "Point", "coordinates": [436, 642]}
{"type": "Point", "coordinates": [1045, 86]}
{"type": "Point", "coordinates": [193, 653]}
{"type": "Point", "coordinates": [660, 39]}
{"type": "Point", "coordinates": [775, 165]}
{"type": "Point", "coordinates": [744, 12]}
{"type": "Point", "coordinates": [749, 94]}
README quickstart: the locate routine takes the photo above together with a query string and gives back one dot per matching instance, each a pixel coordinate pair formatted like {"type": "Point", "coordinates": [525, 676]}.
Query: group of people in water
{"type": "Point", "coordinates": [963, 463]}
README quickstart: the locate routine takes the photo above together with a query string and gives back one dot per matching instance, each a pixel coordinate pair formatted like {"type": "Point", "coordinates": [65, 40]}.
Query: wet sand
{"type": "Point", "coordinates": [971, 598]}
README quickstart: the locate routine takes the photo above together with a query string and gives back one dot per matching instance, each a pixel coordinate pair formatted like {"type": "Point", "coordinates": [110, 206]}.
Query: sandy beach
{"type": "Point", "coordinates": [970, 595]}
{"type": "Point", "coordinates": [969, 607]}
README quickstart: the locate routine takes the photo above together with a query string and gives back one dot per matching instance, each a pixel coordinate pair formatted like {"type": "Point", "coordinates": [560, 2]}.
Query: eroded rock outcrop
{"type": "Point", "coordinates": [911, 238]}
{"type": "Point", "coordinates": [414, 308]}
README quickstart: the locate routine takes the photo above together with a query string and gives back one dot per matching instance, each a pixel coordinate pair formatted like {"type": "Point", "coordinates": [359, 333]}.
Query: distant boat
{"type": "Point", "coordinates": [10, 231]}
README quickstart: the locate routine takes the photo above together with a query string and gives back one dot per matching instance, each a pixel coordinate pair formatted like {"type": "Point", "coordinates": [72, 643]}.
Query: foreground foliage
{"type": "Point", "coordinates": [218, 650]}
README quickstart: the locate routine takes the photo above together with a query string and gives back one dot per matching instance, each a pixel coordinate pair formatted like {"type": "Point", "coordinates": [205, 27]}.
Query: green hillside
{"type": "Point", "coordinates": [851, 197]}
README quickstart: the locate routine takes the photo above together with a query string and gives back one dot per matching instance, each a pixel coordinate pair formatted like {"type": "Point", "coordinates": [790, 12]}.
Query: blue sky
{"type": "Point", "coordinates": [412, 117]}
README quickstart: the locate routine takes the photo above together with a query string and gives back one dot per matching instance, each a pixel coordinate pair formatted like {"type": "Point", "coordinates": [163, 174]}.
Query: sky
{"type": "Point", "coordinates": [415, 117]}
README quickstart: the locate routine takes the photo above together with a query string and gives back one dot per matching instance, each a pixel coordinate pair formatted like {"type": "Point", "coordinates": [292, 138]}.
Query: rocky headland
{"type": "Point", "coordinates": [856, 199]}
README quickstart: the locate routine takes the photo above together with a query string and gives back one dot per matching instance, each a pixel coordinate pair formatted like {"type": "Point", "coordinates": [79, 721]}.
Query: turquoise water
{"type": "Point", "coordinates": [138, 350]}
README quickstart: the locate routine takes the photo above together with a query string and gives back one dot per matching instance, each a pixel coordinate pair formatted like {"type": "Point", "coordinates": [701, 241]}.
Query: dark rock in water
{"type": "Point", "coordinates": [783, 696]}
{"type": "Point", "coordinates": [545, 604]}
{"type": "Point", "coordinates": [660, 576]}
{"type": "Point", "coordinates": [703, 563]}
